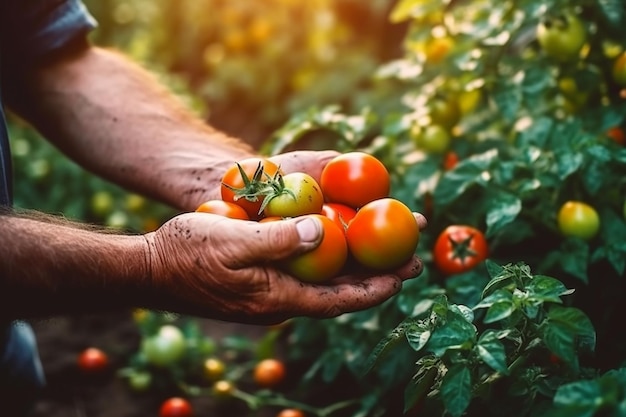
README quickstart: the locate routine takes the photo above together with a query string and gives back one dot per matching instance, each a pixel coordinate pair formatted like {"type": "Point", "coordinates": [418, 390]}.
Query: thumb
{"type": "Point", "coordinates": [284, 238]}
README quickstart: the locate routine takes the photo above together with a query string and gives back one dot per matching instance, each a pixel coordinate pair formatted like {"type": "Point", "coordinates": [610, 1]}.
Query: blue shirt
{"type": "Point", "coordinates": [31, 30]}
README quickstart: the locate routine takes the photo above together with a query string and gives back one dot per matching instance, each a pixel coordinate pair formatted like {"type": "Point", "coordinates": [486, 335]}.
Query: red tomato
{"type": "Point", "coordinates": [325, 261]}
{"type": "Point", "coordinates": [93, 360]}
{"type": "Point", "coordinates": [339, 213]}
{"type": "Point", "coordinates": [175, 407]}
{"type": "Point", "coordinates": [617, 135]}
{"type": "Point", "coordinates": [383, 235]}
{"type": "Point", "coordinates": [459, 248]}
{"type": "Point", "coordinates": [269, 373]}
{"type": "Point", "coordinates": [354, 179]}
{"type": "Point", "coordinates": [297, 194]}
{"type": "Point", "coordinates": [223, 208]}
{"type": "Point", "coordinates": [450, 160]}
{"type": "Point", "coordinates": [290, 412]}
{"type": "Point", "coordinates": [242, 182]}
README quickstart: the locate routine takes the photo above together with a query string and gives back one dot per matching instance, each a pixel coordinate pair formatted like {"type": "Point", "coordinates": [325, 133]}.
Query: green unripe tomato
{"type": "Point", "coordinates": [166, 347]}
{"type": "Point", "coordinates": [562, 37]}
{"type": "Point", "coordinates": [433, 139]}
{"type": "Point", "coordinates": [578, 219]}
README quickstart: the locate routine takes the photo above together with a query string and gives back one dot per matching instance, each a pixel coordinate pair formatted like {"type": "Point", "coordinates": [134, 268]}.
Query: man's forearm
{"type": "Point", "coordinates": [115, 119]}
{"type": "Point", "coordinates": [50, 266]}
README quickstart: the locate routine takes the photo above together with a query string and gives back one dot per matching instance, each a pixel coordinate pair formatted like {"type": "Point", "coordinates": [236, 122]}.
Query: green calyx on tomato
{"type": "Point", "coordinates": [291, 195]}
{"type": "Point", "coordinates": [578, 219]}
{"type": "Point", "coordinates": [459, 248]}
{"type": "Point", "coordinates": [562, 36]}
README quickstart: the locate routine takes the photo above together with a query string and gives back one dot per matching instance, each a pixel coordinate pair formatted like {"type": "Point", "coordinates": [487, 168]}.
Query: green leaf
{"type": "Point", "coordinates": [386, 345]}
{"type": "Point", "coordinates": [497, 296]}
{"type": "Point", "coordinates": [503, 208]}
{"type": "Point", "coordinates": [612, 10]}
{"type": "Point", "coordinates": [417, 334]}
{"type": "Point", "coordinates": [457, 333]}
{"type": "Point", "coordinates": [583, 397]}
{"type": "Point", "coordinates": [537, 133]}
{"type": "Point", "coordinates": [420, 384]}
{"type": "Point", "coordinates": [456, 389]}
{"type": "Point", "coordinates": [499, 311]}
{"type": "Point", "coordinates": [574, 258]}
{"type": "Point", "coordinates": [472, 171]}
{"type": "Point", "coordinates": [508, 99]}
{"type": "Point", "coordinates": [564, 329]}
{"type": "Point", "coordinates": [491, 350]}
{"type": "Point", "coordinates": [546, 288]}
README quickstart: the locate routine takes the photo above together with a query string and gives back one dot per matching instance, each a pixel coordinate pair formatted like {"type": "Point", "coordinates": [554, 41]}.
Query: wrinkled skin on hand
{"type": "Point", "coordinates": [211, 266]}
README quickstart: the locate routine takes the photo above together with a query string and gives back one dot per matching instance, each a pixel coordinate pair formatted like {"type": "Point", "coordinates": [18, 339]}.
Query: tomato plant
{"type": "Point", "coordinates": [164, 348]}
{"type": "Point", "coordinates": [294, 194]}
{"type": "Point", "coordinates": [325, 261]}
{"type": "Point", "coordinates": [562, 36]}
{"type": "Point", "coordinates": [93, 361]}
{"type": "Point", "coordinates": [383, 234]}
{"type": "Point", "coordinates": [339, 213]}
{"type": "Point", "coordinates": [269, 373]}
{"type": "Point", "coordinates": [242, 183]}
{"type": "Point", "coordinates": [459, 248]}
{"type": "Point", "coordinates": [578, 219]}
{"type": "Point", "coordinates": [445, 112]}
{"type": "Point", "coordinates": [176, 407]}
{"type": "Point", "coordinates": [223, 208]}
{"type": "Point", "coordinates": [354, 179]}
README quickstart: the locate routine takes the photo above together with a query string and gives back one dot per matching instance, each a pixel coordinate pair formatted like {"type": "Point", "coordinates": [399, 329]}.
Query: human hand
{"type": "Point", "coordinates": [212, 266]}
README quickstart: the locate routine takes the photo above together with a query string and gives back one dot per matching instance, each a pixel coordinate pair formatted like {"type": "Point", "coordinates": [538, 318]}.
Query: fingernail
{"type": "Point", "coordinates": [308, 229]}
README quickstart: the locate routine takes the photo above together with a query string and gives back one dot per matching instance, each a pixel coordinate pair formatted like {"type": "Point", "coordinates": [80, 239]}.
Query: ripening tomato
{"type": "Point", "coordinates": [445, 112]}
{"type": "Point", "coordinates": [93, 361]}
{"type": "Point", "coordinates": [223, 208]}
{"type": "Point", "coordinates": [619, 69]}
{"type": "Point", "coordinates": [164, 348]}
{"type": "Point", "coordinates": [223, 390]}
{"type": "Point", "coordinates": [339, 213]}
{"type": "Point", "coordinates": [354, 179]}
{"type": "Point", "coordinates": [268, 373]}
{"type": "Point", "coordinates": [325, 261]}
{"type": "Point", "coordinates": [450, 160]}
{"type": "Point", "coordinates": [175, 407]}
{"type": "Point", "coordinates": [299, 194]}
{"type": "Point", "coordinates": [578, 219]}
{"type": "Point", "coordinates": [290, 412]}
{"type": "Point", "coordinates": [242, 182]}
{"type": "Point", "coordinates": [616, 134]}
{"type": "Point", "coordinates": [383, 235]}
{"type": "Point", "coordinates": [459, 248]}
{"type": "Point", "coordinates": [562, 37]}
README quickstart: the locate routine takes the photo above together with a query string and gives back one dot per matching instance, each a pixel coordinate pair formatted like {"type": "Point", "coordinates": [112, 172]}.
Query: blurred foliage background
{"type": "Point", "coordinates": [244, 66]}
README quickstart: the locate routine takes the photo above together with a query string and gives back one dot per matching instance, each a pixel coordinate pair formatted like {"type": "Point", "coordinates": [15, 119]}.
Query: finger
{"type": "Point", "coordinates": [325, 301]}
{"type": "Point", "coordinates": [310, 162]}
{"type": "Point", "coordinates": [277, 240]}
{"type": "Point", "coordinates": [421, 220]}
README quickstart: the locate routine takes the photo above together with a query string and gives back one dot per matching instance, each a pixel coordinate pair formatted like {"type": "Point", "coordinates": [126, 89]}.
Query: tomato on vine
{"type": "Point", "coordinates": [223, 208]}
{"type": "Point", "coordinates": [242, 183]}
{"type": "Point", "coordinates": [383, 234]}
{"type": "Point", "coordinates": [578, 219]}
{"type": "Point", "coordinates": [562, 36]}
{"type": "Point", "coordinates": [223, 389]}
{"type": "Point", "coordinates": [176, 407]}
{"type": "Point", "coordinates": [164, 348]}
{"type": "Point", "coordinates": [323, 262]}
{"type": "Point", "coordinates": [93, 361]}
{"type": "Point", "coordinates": [432, 139]}
{"type": "Point", "coordinates": [268, 373]}
{"type": "Point", "coordinates": [213, 369]}
{"type": "Point", "coordinates": [459, 248]}
{"type": "Point", "coordinates": [619, 70]}
{"type": "Point", "coordinates": [354, 179]}
{"type": "Point", "coordinates": [290, 412]}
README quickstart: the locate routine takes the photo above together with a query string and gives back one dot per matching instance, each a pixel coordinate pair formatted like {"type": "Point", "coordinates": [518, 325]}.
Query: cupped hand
{"type": "Point", "coordinates": [211, 266]}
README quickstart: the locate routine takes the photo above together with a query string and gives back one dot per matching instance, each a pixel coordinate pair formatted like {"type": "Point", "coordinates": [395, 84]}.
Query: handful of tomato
{"type": "Point", "coordinates": [361, 222]}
